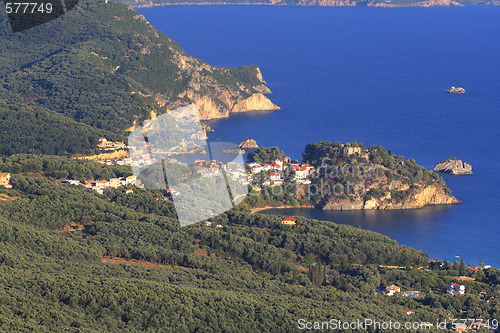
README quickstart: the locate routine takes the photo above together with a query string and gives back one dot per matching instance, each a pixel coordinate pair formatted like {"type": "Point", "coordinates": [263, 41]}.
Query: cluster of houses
{"type": "Point", "coordinates": [5, 180]}
{"type": "Point", "coordinates": [453, 289]}
{"type": "Point", "coordinates": [275, 172]}
{"type": "Point", "coordinates": [100, 185]}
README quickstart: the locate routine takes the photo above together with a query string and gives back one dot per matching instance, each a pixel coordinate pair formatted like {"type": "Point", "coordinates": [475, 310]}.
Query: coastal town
{"type": "Point", "coordinates": [258, 175]}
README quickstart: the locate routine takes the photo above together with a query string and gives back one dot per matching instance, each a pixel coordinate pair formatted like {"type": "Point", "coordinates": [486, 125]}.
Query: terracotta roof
{"type": "Point", "coordinates": [289, 219]}
{"type": "Point", "coordinates": [456, 285]}
{"type": "Point", "coordinates": [392, 287]}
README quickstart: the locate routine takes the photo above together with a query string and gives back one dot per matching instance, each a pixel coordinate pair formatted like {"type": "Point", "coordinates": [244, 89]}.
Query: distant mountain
{"type": "Point", "coordinates": [105, 66]}
{"type": "Point", "coordinates": [324, 3]}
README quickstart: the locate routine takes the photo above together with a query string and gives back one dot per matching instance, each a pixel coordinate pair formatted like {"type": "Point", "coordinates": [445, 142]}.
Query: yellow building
{"type": "Point", "coordinates": [4, 179]}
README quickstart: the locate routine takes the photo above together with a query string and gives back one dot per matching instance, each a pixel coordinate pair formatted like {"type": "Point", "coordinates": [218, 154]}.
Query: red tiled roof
{"type": "Point", "coordinates": [289, 219]}
{"type": "Point", "coordinates": [456, 285]}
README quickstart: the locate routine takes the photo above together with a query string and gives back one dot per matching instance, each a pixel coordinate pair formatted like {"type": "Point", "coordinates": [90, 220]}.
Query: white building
{"type": "Point", "coordinates": [455, 288]}
{"type": "Point", "coordinates": [274, 177]}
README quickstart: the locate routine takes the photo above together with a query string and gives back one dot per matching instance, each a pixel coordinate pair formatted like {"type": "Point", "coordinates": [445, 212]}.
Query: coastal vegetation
{"type": "Point", "coordinates": [72, 259]}
{"type": "Point", "coordinates": [78, 260]}
{"type": "Point", "coordinates": [346, 176]}
{"type": "Point", "coordinates": [99, 70]}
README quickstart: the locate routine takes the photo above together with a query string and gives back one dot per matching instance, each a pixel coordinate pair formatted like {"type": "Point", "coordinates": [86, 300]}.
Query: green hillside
{"type": "Point", "coordinates": [105, 66]}
{"type": "Point", "coordinates": [77, 261]}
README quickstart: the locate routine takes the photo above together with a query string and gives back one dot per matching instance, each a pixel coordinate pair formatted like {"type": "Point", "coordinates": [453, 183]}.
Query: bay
{"type": "Point", "coordinates": [379, 76]}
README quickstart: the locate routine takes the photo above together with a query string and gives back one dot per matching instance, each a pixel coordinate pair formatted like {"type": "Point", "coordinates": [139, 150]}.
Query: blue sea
{"type": "Point", "coordinates": [378, 76]}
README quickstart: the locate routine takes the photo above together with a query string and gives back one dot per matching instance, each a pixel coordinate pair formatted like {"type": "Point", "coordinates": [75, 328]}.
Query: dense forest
{"type": "Point", "coordinates": [75, 260]}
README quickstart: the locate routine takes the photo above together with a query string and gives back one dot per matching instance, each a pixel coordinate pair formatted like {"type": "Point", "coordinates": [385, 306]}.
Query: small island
{"type": "Point", "coordinates": [248, 144]}
{"type": "Point", "coordinates": [456, 90]}
{"type": "Point", "coordinates": [454, 166]}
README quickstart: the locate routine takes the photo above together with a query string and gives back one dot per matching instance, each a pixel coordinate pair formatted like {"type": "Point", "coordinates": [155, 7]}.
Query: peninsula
{"type": "Point", "coordinates": [350, 176]}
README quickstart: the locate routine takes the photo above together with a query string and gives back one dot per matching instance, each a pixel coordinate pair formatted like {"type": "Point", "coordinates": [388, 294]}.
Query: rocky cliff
{"type": "Point", "coordinates": [454, 166]}
{"type": "Point", "coordinates": [369, 178]}
{"type": "Point", "coordinates": [425, 196]}
{"type": "Point", "coordinates": [217, 99]}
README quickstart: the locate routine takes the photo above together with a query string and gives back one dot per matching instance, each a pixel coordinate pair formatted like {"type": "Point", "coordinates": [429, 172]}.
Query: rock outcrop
{"type": "Point", "coordinates": [256, 102]}
{"type": "Point", "coordinates": [216, 98]}
{"type": "Point", "coordinates": [454, 166]}
{"type": "Point", "coordinates": [248, 144]}
{"type": "Point", "coordinates": [456, 90]}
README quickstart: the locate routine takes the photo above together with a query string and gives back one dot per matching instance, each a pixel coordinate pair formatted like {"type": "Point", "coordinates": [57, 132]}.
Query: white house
{"type": "Point", "coordinates": [455, 288]}
{"type": "Point", "coordinates": [274, 177]}
{"type": "Point", "coordinates": [301, 173]}
{"type": "Point", "coordinates": [392, 289]}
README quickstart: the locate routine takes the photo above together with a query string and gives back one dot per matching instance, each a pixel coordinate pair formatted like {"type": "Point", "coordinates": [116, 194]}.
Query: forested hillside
{"type": "Point", "coordinates": [74, 260]}
{"type": "Point", "coordinates": [99, 69]}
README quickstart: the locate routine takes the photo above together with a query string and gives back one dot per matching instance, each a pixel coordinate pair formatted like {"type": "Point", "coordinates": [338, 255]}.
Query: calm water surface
{"type": "Point", "coordinates": [378, 76]}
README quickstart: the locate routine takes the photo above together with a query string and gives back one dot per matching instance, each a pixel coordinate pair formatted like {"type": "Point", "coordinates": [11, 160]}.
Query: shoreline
{"type": "Point", "coordinates": [215, 3]}
{"type": "Point", "coordinates": [259, 209]}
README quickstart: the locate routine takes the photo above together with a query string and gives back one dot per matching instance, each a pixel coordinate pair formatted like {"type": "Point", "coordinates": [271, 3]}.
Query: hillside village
{"type": "Point", "coordinates": [273, 173]}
